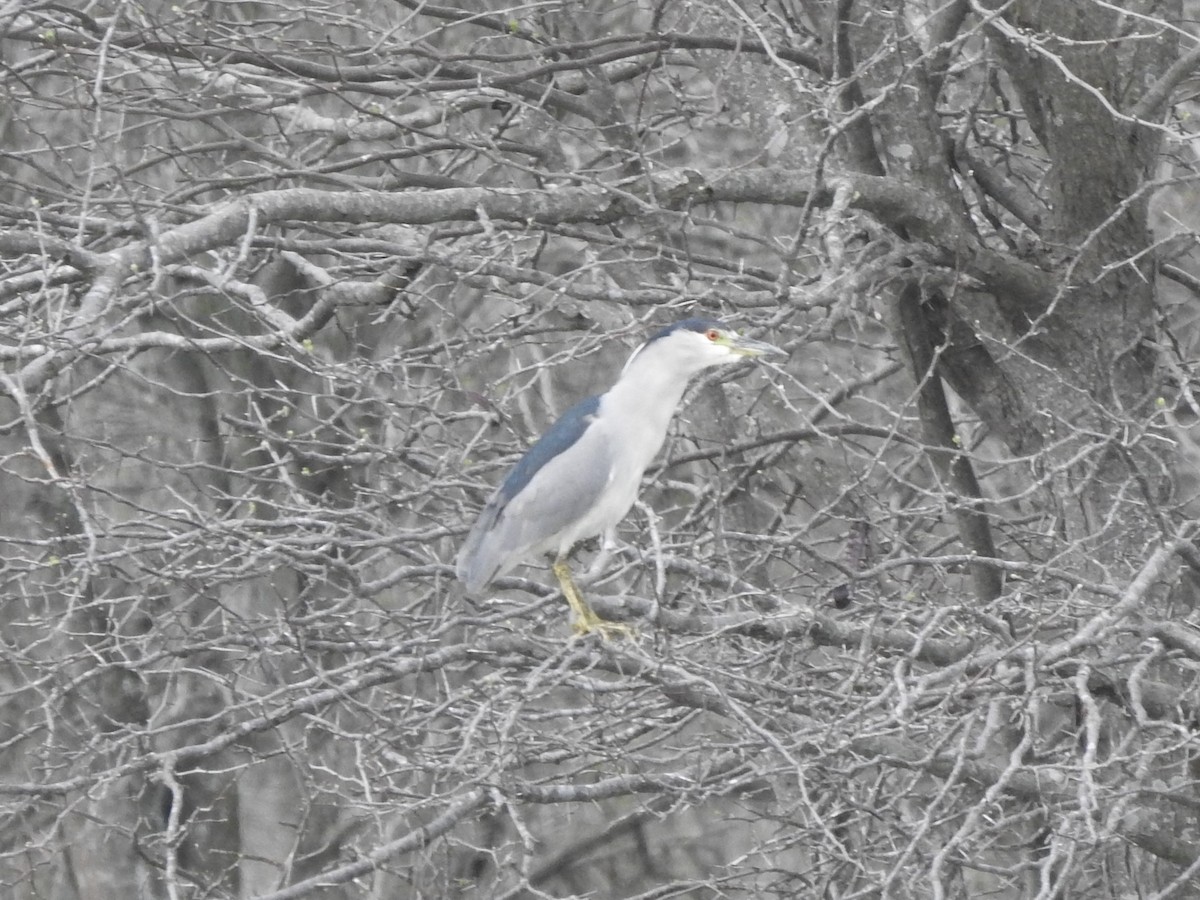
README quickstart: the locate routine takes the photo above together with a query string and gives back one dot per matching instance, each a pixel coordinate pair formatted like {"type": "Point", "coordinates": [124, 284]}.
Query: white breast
{"type": "Point", "coordinates": [632, 443]}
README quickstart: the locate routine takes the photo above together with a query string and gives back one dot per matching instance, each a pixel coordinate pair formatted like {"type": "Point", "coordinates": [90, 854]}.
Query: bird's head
{"type": "Point", "coordinates": [695, 344]}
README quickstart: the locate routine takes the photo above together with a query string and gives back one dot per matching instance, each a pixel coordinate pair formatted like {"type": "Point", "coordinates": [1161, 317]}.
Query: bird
{"type": "Point", "coordinates": [582, 476]}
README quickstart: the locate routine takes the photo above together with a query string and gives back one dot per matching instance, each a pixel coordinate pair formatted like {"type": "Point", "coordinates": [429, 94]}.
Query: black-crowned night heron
{"type": "Point", "coordinates": [582, 476]}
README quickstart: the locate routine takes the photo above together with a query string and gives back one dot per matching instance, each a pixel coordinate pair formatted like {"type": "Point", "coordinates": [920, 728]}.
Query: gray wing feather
{"type": "Point", "coordinates": [510, 530]}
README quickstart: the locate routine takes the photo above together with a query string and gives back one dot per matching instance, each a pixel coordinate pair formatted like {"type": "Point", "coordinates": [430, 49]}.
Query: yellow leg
{"type": "Point", "coordinates": [586, 619]}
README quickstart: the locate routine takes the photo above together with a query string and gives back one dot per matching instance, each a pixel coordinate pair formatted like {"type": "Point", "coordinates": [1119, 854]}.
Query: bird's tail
{"type": "Point", "coordinates": [477, 563]}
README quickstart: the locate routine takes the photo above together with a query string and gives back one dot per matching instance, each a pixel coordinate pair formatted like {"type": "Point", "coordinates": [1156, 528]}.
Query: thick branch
{"type": "Point", "coordinates": [892, 201]}
{"type": "Point", "coordinates": [1157, 94]}
{"type": "Point", "coordinates": [910, 326]}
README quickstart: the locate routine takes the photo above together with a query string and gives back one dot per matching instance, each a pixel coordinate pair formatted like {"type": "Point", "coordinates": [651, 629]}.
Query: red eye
{"type": "Point", "coordinates": [712, 334]}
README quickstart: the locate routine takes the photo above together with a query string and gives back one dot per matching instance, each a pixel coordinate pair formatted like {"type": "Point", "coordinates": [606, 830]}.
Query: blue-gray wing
{"type": "Point", "coordinates": [553, 486]}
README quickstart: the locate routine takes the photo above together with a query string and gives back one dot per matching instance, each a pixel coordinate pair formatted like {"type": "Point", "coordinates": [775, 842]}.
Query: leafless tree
{"type": "Point", "coordinates": [286, 288]}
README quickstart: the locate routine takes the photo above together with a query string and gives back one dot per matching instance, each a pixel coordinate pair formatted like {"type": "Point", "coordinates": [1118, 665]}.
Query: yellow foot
{"type": "Point", "coordinates": [586, 621]}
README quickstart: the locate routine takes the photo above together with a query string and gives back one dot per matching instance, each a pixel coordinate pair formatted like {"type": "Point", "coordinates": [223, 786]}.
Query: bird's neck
{"type": "Point", "coordinates": [648, 397]}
